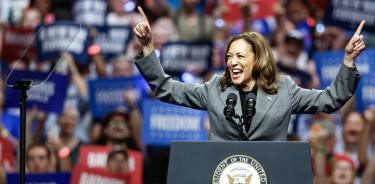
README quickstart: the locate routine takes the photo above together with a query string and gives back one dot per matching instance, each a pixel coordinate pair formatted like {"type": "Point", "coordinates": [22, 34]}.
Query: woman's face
{"type": "Point", "coordinates": [342, 173]}
{"type": "Point", "coordinates": [240, 63]}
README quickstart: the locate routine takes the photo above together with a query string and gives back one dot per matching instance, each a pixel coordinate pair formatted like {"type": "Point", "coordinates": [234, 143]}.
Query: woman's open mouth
{"type": "Point", "coordinates": [236, 73]}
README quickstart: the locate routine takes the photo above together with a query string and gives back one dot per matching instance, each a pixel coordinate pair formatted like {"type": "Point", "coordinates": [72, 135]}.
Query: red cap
{"type": "Point", "coordinates": [346, 158]}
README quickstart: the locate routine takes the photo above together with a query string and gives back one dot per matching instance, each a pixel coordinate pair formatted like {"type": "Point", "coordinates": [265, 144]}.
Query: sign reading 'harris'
{"type": "Point", "coordinates": [239, 169]}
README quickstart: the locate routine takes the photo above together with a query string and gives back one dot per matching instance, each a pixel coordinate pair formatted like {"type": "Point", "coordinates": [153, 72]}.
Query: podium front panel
{"type": "Point", "coordinates": [204, 162]}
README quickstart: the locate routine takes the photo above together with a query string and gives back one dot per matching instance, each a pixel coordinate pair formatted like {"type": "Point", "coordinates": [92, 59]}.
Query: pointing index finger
{"type": "Point", "coordinates": [143, 14]}
{"type": "Point", "coordinates": [359, 29]}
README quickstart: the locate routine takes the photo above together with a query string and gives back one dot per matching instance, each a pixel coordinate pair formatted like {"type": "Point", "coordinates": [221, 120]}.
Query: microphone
{"type": "Point", "coordinates": [249, 109]}
{"type": "Point", "coordinates": [231, 101]}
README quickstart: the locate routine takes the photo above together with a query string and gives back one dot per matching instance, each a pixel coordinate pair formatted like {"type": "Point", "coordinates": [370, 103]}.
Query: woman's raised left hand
{"type": "Point", "coordinates": [355, 46]}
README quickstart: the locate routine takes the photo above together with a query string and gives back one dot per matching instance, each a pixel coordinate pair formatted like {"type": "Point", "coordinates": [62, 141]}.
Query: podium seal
{"type": "Point", "coordinates": [239, 169]}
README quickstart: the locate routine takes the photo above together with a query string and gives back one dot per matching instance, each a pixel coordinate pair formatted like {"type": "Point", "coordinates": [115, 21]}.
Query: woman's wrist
{"type": "Point", "coordinates": [349, 62]}
{"type": "Point", "coordinates": [148, 49]}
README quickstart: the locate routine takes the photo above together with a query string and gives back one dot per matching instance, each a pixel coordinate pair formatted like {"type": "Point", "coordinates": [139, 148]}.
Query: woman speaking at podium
{"type": "Point", "coordinates": [267, 99]}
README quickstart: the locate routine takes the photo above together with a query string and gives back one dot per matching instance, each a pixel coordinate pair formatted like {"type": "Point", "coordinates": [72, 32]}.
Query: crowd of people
{"type": "Point", "coordinates": [341, 143]}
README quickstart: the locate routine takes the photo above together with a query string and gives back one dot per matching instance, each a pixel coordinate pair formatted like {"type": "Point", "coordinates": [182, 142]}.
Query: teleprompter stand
{"type": "Point", "coordinates": [23, 86]}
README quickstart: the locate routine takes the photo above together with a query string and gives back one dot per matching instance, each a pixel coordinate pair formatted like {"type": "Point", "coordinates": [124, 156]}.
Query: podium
{"type": "Point", "coordinates": [240, 163]}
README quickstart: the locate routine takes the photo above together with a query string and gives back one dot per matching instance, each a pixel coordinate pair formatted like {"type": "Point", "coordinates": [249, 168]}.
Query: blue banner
{"type": "Point", "coordinates": [365, 95]}
{"type": "Point", "coordinates": [107, 95]}
{"type": "Point", "coordinates": [54, 39]}
{"type": "Point", "coordinates": [48, 97]}
{"type": "Point", "coordinates": [328, 65]}
{"type": "Point", "coordinates": [366, 89]}
{"type": "Point", "coordinates": [163, 123]}
{"type": "Point", "coordinates": [90, 12]}
{"type": "Point", "coordinates": [113, 40]}
{"type": "Point", "coordinates": [348, 14]}
{"type": "Point", "coordinates": [50, 178]}
{"type": "Point", "coordinates": [183, 56]}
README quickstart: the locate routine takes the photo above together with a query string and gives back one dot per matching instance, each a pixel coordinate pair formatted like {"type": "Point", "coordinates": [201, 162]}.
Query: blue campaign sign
{"type": "Point", "coordinates": [113, 40]}
{"type": "Point", "coordinates": [49, 96]}
{"type": "Point", "coordinates": [329, 63]}
{"type": "Point", "coordinates": [107, 94]}
{"type": "Point", "coordinates": [163, 123]}
{"type": "Point", "coordinates": [348, 14]}
{"type": "Point", "coordinates": [90, 12]}
{"type": "Point", "coordinates": [54, 39]}
{"type": "Point", "coordinates": [182, 56]}
{"type": "Point", "coordinates": [365, 95]}
{"type": "Point", "coordinates": [50, 178]}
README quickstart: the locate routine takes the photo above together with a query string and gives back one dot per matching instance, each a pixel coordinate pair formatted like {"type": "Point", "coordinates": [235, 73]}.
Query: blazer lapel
{"type": "Point", "coordinates": [263, 105]}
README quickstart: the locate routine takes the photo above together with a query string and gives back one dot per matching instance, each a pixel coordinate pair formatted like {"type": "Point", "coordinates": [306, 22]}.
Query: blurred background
{"type": "Point", "coordinates": [90, 111]}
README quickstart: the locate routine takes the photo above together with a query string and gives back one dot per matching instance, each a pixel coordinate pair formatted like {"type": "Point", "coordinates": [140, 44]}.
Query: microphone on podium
{"type": "Point", "coordinates": [249, 109]}
{"type": "Point", "coordinates": [231, 102]}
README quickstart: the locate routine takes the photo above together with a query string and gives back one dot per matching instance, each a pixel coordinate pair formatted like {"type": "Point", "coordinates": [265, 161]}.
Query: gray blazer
{"type": "Point", "coordinates": [273, 112]}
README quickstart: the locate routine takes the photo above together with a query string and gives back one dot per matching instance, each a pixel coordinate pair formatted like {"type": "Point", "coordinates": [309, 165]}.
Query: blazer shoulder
{"type": "Point", "coordinates": [284, 79]}
{"type": "Point", "coordinates": [214, 81]}
{"type": "Point", "coordinates": [216, 78]}
{"type": "Point", "coordinates": [285, 83]}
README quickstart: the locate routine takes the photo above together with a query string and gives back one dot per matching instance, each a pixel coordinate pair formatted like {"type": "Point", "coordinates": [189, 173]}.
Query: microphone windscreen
{"type": "Point", "coordinates": [251, 96]}
{"type": "Point", "coordinates": [233, 97]}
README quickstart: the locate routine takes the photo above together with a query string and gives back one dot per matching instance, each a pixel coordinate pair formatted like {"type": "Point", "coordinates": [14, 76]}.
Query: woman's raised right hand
{"type": "Point", "coordinates": [142, 31]}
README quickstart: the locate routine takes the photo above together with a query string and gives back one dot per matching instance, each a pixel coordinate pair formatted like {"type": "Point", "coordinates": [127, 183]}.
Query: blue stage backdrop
{"type": "Point", "coordinates": [163, 123]}
{"type": "Point", "coordinates": [48, 97]}
{"type": "Point", "coordinates": [107, 94]}
{"type": "Point", "coordinates": [53, 39]}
